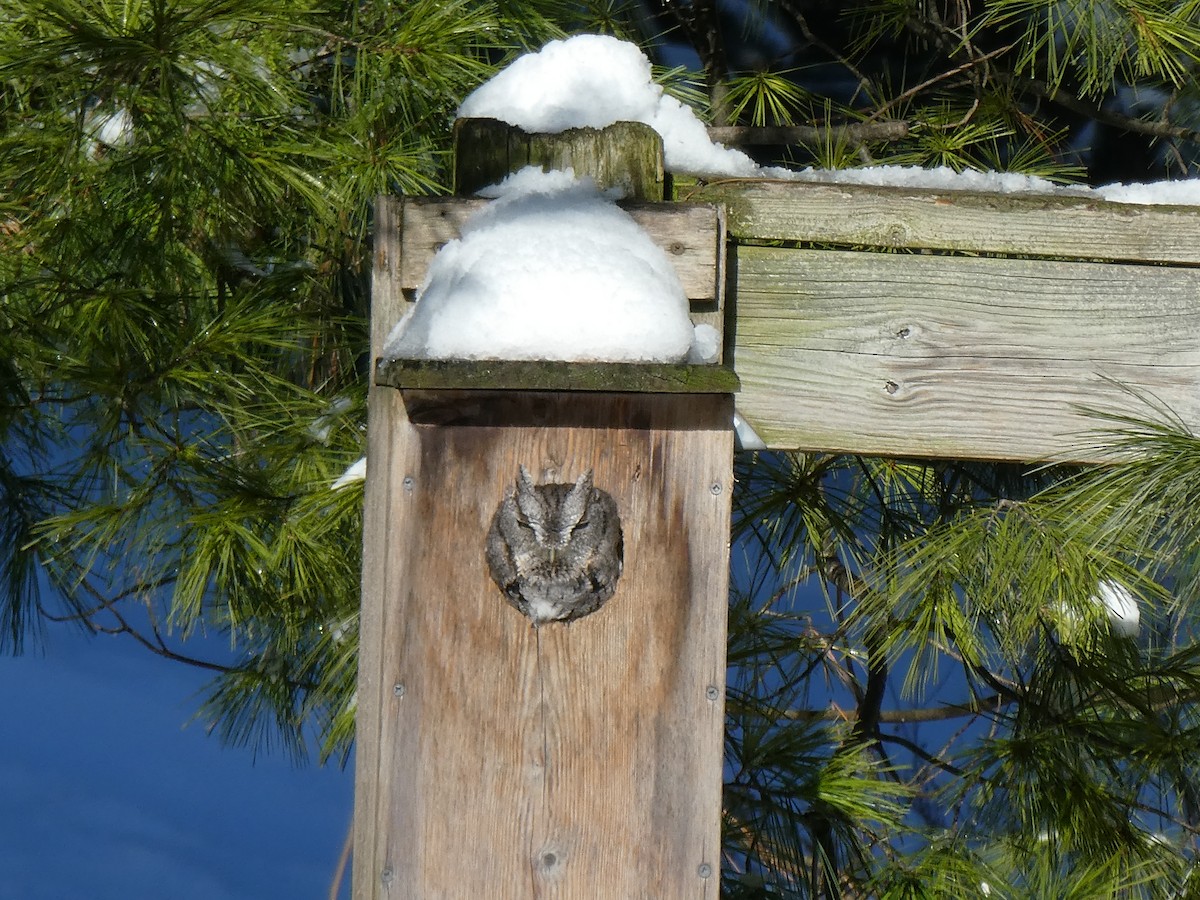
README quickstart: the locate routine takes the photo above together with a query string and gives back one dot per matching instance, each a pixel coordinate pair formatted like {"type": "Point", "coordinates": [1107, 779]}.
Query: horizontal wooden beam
{"type": "Point", "coordinates": [958, 221]}
{"type": "Point", "coordinates": [543, 375]}
{"type": "Point", "coordinates": [957, 357]}
{"type": "Point", "coordinates": [690, 233]}
{"type": "Point", "coordinates": [907, 322]}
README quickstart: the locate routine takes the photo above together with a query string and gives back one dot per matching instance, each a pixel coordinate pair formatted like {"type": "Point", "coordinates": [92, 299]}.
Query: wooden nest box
{"type": "Point", "coordinates": [574, 760]}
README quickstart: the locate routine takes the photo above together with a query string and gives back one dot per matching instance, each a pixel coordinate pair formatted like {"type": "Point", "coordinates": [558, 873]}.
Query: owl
{"type": "Point", "coordinates": [555, 550]}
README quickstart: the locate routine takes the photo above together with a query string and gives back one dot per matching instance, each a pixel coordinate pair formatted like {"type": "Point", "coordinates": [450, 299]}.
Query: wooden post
{"type": "Point", "coordinates": [626, 155]}
{"type": "Point", "coordinates": [571, 761]}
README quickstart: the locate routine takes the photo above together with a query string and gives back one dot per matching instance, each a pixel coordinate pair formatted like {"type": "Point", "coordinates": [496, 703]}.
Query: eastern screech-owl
{"type": "Point", "coordinates": [556, 550]}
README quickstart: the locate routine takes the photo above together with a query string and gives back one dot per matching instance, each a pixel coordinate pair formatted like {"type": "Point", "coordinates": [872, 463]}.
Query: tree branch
{"type": "Point", "coordinates": [855, 133]}
{"type": "Point", "coordinates": [1074, 104]}
{"type": "Point", "coordinates": [797, 16]}
{"type": "Point", "coordinates": [905, 716]}
{"type": "Point", "coordinates": [920, 751]}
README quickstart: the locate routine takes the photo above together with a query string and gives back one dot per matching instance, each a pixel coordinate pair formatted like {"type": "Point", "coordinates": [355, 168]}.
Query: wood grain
{"type": "Point", "coordinates": [375, 750]}
{"type": "Point", "coordinates": [623, 155]}
{"type": "Point", "coordinates": [579, 761]}
{"type": "Point", "coordinates": [960, 221]}
{"type": "Point", "coordinates": [689, 233]}
{"type": "Point", "coordinates": [957, 357]}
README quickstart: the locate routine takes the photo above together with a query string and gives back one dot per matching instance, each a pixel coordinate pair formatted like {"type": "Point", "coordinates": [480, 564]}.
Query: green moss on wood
{"type": "Point", "coordinates": [544, 375]}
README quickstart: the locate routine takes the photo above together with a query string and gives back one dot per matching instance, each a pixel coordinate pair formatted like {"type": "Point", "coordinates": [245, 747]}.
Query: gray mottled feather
{"type": "Point", "coordinates": [555, 550]}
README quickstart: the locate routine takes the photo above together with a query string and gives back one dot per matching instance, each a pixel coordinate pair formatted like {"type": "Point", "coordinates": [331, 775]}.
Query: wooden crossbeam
{"type": "Point", "coordinates": [907, 322]}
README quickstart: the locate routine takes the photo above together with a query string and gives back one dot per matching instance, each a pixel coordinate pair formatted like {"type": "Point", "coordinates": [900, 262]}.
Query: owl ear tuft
{"type": "Point", "coordinates": [525, 483]}
{"type": "Point", "coordinates": [576, 502]}
{"type": "Point", "coordinates": [528, 501]}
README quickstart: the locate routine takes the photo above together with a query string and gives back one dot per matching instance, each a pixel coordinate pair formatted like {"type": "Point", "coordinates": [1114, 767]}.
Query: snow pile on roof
{"type": "Point", "coordinates": [592, 81]}
{"type": "Point", "coordinates": [550, 270]}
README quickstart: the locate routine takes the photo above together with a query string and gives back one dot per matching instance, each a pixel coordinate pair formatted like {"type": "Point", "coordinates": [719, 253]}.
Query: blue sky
{"type": "Point", "coordinates": [105, 795]}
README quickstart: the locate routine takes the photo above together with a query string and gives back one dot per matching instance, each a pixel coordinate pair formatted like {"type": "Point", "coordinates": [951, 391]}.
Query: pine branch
{"type": "Point", "coordinates": [794, 12]}
{"type": "Point", "coordinates": [157, 645]}
{"type": "Point", "coordinates": [977, 60]}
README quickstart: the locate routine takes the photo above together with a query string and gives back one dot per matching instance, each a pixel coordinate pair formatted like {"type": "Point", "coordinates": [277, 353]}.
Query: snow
{"type": "Point", "coordinates": [1184, 192]}
{"type": "Point", "coordinates": [747, 437]}
{"type": "Point", "coordinates": [357, 471]}
{"type": "Point", "coordinates": [706, 345]}
{"type": "Point", "coordinates": [939, 178]}
{"type": "Point", "coordinates": [551, 270]}
{"type": "Point", "coordinates": [322, 426]}
{"type": "Point", "coordinates": [114, 128]}
{"type": "Point", "coordinates": [554, 270]}
{"type": "Point", "coordinates": [1121, 606]}
{"type": "Point", "coordinates": [556, 89]}
{"type": "Point", "coordinates": [107, 126]}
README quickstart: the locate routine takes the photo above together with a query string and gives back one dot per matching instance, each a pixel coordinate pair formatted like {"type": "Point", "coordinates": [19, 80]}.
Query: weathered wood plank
{"type": "Point", "coordinates": [962, 221]}
{"type": "Point", "coordinates": [690, 233]}
{"type": "Point", "coordinates": [957, 357]}
{"type": "Point", "coordinates": [624, 155]}
{"type": "Point", "coordinates": [541, 375]}
{"type": "Point", "coordinates": [579, 761]}
{"type": "Point", "coordinates": [376, 751]}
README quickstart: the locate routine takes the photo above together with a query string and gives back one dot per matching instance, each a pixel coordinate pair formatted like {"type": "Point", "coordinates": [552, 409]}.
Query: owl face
{"type": "Point", "coordinates": [555, 550]}
{"type": "Point", "coordinates": [552, 515]}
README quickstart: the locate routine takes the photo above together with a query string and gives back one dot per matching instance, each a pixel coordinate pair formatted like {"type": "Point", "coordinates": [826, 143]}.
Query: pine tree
{"type": "Point", "coordinates": [187, 192]}
{"type": "Point", "coordinates": [185, 220]}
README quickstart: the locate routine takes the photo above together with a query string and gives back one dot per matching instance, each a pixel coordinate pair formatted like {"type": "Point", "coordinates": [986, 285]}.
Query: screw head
{"type": "Point", "coordinates": [716, 487]}
{"type": "Point", "coordinates": [398, 689]}
{"type": "Point", "coordinates": [712, 692]}
{"type": "Point", "coordinates": [704, 870]}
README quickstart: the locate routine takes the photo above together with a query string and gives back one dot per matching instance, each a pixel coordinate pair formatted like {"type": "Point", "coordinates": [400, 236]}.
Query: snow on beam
{"type": "Point", "coordinates": [965, 215]}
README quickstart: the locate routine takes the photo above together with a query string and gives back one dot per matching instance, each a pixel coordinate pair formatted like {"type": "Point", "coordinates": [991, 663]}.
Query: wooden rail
{"type": "Point", "coordinates": [906, 322]}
